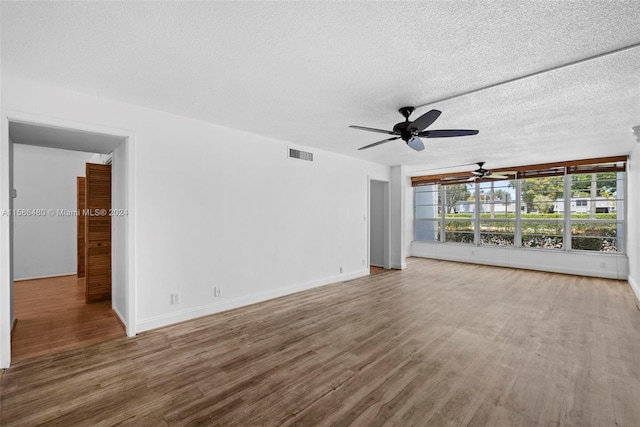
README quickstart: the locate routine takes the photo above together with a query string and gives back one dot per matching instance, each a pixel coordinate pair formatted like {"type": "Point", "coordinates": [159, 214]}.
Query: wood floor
{"type": "Point", "coordinates": [376, 270]}
{"type": "Point", "coordinates": [437, 344]}
{"type": "Point", "coordinates": [53, 317]}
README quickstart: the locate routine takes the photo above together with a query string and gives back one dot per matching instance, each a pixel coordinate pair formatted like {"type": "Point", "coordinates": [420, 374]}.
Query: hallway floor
{"type": "Point", "coordinates": [52, 316]}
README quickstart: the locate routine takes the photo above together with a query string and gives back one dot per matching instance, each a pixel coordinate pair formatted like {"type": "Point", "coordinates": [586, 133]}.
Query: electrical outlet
{"type": "Point", "coordinates": [175, 299]}
{"type": "Point", "coordinates": [217, 291]}
{"type": "Point", "coordinates": [341, 269]}
{"type": "Point", "coordinates": [362, 262]}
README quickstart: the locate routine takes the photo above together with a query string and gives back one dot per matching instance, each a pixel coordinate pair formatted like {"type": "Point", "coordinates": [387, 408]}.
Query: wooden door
{"type": "Point", "coordinates": [81, 231]}
{"type": "Point", "coordinates": [98, 232]}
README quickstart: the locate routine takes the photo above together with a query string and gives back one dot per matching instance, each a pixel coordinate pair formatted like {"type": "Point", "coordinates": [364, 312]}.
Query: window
{"type": "Point", "coordinates": [427, 212]}
{"type": "Point", "coordinates": [497, 213]}
{"type": "Point", "coordinates": [459, 208]}
{"type": "Point", "coordinates": [597, 223]}
{"type": "Point", "coordinates": [542, 222]}
{"type": "Point", "coordinates": [576, 205]}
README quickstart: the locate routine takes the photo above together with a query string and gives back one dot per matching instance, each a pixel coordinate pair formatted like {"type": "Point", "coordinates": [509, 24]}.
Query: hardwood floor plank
{"type": "Point", "coordinates": [53, 317]}
{"type": "Point", "coordinates": [439, 343]}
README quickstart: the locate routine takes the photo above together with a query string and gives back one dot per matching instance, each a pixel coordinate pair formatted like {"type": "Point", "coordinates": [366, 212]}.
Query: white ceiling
{"type": "Point", "coordinates": [304, 71]}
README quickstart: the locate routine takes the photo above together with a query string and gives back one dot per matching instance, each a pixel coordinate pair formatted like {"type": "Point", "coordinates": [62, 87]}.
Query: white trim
{"type": "Point", "coordinates": [399, 266]}
{"type": "Point", "coordinates": [45, 277]}
{"type": "Point", "coordinates": [5, 246]}
{"type": "Point", "coordinates": [386, 262]}
{"type": "Point", "coordinates": [634, 287]}
{"type": "Point", "coordinates": [206, 310]}
{"type": "Point", "coordinates": [115, 310]}
{"type": "Point", "coordinates": [129, 138]}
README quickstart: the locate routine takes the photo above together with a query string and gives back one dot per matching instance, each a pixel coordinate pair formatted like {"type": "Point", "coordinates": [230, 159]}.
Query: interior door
{"type": "Point", "coordinates": [81, 231]}
{"type": "Point", "coordinates": [98, 232]}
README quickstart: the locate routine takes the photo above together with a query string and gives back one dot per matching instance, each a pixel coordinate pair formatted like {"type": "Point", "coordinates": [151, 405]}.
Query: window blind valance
{"type": "Point", "coordinates": [597, 165]}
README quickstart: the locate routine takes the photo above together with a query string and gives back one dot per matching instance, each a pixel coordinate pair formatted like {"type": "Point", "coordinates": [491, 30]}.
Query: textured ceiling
{"type": "Point", "coordinates": [304, 71]}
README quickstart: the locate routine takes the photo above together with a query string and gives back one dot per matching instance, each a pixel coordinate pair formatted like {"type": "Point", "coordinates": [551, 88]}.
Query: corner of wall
{"type": "Point", "coordinates": [634, 287]}
{"type": "Point", "coordinates": [633, 211]}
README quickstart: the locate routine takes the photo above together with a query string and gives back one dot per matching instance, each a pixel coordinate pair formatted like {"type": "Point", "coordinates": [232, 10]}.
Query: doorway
{"type": "Point", "coordinates": [29, 129]}
{"type": "Point", "coordinates": [379, 216]}
{"type": "Point", "coordinates": [50, 311]}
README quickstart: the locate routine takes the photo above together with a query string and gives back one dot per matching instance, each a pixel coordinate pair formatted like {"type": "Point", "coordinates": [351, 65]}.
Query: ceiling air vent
{"type": "Point", "coordinates": [302, 155]}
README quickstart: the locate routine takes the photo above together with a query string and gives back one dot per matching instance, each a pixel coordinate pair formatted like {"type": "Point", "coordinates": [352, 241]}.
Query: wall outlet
{"type": "Point", "coordinates": [175, 299]}
{"type": "Point", "coordinates": [217, 291]}
{"type": "Point", "coordinates": [362, 262]}
{"type": "Point", "coordinates": [341, 270]}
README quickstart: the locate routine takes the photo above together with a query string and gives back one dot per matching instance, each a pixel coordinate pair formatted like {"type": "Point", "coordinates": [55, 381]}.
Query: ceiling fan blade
{"type": "Point", "coordinates": [497, 176]}
{"type": "Point", "coordinates": [425, 120]}
{"type": "Point", "coordinates": [472, 179]}
{"type": "Point", "coordinates": [416, 143]}
{"type": "Point", "coordinates": [446, 133]}
{"type": "Point", "coordinates": [378, 143]}
{"type": "Point", "coordinates": [388, 132]}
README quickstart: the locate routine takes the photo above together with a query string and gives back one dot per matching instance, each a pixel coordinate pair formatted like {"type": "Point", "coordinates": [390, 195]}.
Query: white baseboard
{"type": "Point", "coordinates": [122, 320]}
{"type": "Point", "coordinates": [206, 310]}
{"type": "Point", "coordinates": [45, 277]}
{"type": "Point", "coordinates": [634, 287]}
{"type": "Point", "coordinates": [396, 266]}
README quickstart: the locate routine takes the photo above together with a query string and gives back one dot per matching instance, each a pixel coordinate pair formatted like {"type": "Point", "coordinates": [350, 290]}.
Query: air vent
{"type": "Point", "coordinates": [302, 155]}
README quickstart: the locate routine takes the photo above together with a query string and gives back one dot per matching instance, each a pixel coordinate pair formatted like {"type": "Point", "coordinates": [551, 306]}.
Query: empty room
{"type": "Point", "coordinates": [320, 213]}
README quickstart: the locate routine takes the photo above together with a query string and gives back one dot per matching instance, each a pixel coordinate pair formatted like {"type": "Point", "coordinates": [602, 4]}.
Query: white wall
{"type": "Point", "coordinates": [633, 219]}
{"type": "Point", "coordinates": [221, 207]}
{"type": "Point", "coordinates": [45, 179]}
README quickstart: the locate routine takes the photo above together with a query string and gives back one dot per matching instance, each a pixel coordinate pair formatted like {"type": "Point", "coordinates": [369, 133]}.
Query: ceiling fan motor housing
{"type": "Point", "coordinates": [403, 130]}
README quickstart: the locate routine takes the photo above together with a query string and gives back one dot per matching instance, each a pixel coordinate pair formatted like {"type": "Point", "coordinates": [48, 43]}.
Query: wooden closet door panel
{"type": "Point", "coordinates": [81, 231]}
{"type": "Point", "coordinates": [98, 232]}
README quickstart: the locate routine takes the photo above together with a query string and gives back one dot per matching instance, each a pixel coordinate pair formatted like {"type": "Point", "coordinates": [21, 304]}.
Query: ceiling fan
{"type": "Point", "coordinates": [411, 132]}
{"type": "Point", "coordinates": [481, 172]}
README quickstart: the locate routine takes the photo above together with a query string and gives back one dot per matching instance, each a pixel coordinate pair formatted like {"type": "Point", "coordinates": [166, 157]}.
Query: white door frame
{"type": "Point", "coordinates": [386, 221]}
{"type": "Point", "coordinates": [6, 170]}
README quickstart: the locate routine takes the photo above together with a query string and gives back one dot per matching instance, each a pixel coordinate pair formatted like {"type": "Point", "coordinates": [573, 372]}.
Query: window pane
{"type": "Point", "coordinates": [597, 196]}
{"type": "Point", "coordinates": [542, 219]}
{"type": "Point", "coordinates": [458, 198]}
{"type": "Point", "coordinates": [544, 196]}
{"type": "Point", "coordinates": [427, 230]}
{"type": "Point", "coordinates": [542, 234]}
{"type": "Point", "coordinates": [501, 233]}
{"type": "Point", "coordinates": [497, 199]}
{"type": "Point", "coordinates": [595, 236]}
{"type": "Point", "coordinates": [427, 213]}
{"type": "Point", "coordinates": [459, 230]}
